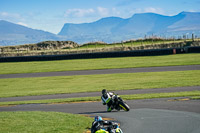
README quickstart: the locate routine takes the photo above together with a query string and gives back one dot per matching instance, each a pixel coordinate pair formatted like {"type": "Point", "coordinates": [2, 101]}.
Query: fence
{"type": "Point", "coordinates": [152, 52]}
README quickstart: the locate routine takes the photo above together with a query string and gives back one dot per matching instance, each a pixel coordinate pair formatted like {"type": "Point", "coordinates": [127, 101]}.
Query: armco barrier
{"type": "Point", "coordinates": [152, 52]}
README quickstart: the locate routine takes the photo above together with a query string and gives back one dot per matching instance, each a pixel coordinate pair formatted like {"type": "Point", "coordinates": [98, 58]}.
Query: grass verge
{"type": "Point", "coordinates": [103, 63]}
{"type": "Point", "coordinates": [93, 83]}
{"type": "Point", "coordinates": [125, 97]}
{"type": "Point", "coordinates": [43, 122]}
{"type": "Point", "coordinates": [195, 98]}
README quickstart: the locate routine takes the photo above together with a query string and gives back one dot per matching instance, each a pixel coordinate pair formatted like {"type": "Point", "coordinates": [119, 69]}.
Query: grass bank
{"type": "Point", "coordinates": [43, 122]}
{"type": "Point", "coordinates": [92, 83]}
{"type": "Point", "coordinates": [95, 45]}
{"type": "Point", "coordinates": [125, 97]}
{"type": "Point", "coordinates": [103, 63]}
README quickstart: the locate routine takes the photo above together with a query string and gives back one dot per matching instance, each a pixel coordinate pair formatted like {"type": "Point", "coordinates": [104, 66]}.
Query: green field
{"type": "Point", "coordinates": [103, 63]}
{"type": "Point", "coordinates": [128, 44]}
{"type": "Point", "coordinates": [43, 122]}
{"type": "Point", "coordinates": [91, 83]}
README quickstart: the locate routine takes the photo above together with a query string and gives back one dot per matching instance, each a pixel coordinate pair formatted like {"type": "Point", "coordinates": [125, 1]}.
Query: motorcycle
{"type": "Point", "coordinates": [110, 129]}
{"type": "Point", "coordinates": [119, 104]}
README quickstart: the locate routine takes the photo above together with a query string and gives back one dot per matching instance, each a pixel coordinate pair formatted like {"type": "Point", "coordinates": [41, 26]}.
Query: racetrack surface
{"type": "Point", "coordinates": [157, 121]}
{"type": "Point", "coordinates": [150, 115]}
{"type": "Point", "coordinates": [97, 107]}
{"type": "Point", "coordinates": [103, 71]}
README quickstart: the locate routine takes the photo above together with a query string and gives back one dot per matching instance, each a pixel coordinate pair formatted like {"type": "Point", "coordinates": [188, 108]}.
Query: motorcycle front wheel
{"type": "Point", "coordinates": [124, 106]}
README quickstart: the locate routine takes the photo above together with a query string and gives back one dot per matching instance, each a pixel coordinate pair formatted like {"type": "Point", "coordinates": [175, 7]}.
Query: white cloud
{"type": "Point", "coordinates": [115, 12]}
{"type": "Point", "coordinates": [6, 15]}
{"type": "Point", "coordinates": [103, 11]}
{"type": "Point", "coordinates": [146, 10]}
{"type": "Point", "coordinates": [23, 24]}
{"type": "Point", "coordinates": [91, 12]}
{"type": "Point", "coordinates": [154, 10]}
{"type": "Point", "coordinates": [79, 12]}
{"type": "Point", "coordinates": [3, 14]}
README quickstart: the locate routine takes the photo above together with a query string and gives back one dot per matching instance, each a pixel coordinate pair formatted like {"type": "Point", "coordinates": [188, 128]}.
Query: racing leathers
{"type": "Point", "coordinates": [107, 99]}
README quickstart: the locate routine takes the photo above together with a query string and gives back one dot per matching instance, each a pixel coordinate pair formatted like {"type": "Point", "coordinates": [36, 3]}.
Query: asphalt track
{"type": "Point", "coordinates": [103, 71]}
{"type": "Point", "coordinates": [166, 115]}
{"type": "Point", "coordinates": [92, 94]}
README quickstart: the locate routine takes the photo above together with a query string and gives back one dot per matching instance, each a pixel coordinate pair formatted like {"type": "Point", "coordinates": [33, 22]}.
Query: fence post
{"type": "Point", "coordinates": [192, 37]}
{"type": "Point", "coordinates": [174, 51]}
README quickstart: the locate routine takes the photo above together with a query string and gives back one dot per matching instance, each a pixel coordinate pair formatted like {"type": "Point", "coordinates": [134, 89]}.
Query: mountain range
{"type": "Point", "coordinates": [110, 29]}
{"type": "Point", "coordinates": [14, 34]}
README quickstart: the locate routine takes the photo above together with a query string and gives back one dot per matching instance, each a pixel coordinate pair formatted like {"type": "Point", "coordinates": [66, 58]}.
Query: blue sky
{"type": "Point", "coordinates": [50, 15]}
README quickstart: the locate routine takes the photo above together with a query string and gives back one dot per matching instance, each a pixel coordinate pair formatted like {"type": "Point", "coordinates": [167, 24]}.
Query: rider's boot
{"type": "Point", "coordinates": [109, 109]}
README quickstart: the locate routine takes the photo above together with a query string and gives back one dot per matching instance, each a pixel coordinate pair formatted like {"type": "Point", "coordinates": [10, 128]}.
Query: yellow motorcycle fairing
{"type": "Point", "coordinates": [101, 131]}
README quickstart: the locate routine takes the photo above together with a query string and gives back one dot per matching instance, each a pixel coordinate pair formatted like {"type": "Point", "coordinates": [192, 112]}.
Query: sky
{"type": "Point", "coordinates": [51, 15]}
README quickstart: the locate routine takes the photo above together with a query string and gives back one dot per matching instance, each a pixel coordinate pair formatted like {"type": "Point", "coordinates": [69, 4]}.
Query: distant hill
{"type": "Point", "coordinates": [14, 34]}
{"type": "Point", "coordinates": [87, 32]}
{"type": "Point", "coordinates": [110, 29]}
{"type": "Point", "coordinates": [104, 25]}
{"type": "Point", "coordinates": [190, 21]}
{"type": "Point", "coordinates": [114, 29]}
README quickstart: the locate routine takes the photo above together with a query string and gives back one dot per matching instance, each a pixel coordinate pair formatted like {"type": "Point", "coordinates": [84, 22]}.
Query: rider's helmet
{"type": "Point", "coordinates": [104, 91]}
{"type": "Point", "coordinates": [97, 118]}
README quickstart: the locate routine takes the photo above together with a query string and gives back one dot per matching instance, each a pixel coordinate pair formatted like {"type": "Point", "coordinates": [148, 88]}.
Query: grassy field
{"type": "Point", "coordinates": [90, 83]}
{"type": "Point", "coordinates": [193, 94]}
{"type": "Point", "coordinates": [128, 44]}
{"type": "Point", "coordinates": [103, 63]}
{"type": "Point", "coordinates": [43, 122]}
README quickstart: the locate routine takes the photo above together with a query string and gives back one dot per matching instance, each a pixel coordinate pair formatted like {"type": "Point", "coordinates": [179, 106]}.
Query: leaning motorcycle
{"type": "Point", "coordinates": [110, 129]}
{"type": "Point", "coordinates": [119, 104]}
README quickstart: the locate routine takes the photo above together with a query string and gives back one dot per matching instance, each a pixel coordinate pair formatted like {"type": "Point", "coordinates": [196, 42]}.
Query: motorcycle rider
{"type": "Point", "coordinates": [99, 124]}
{"type": "Point", "coordinates": [107, 99]}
